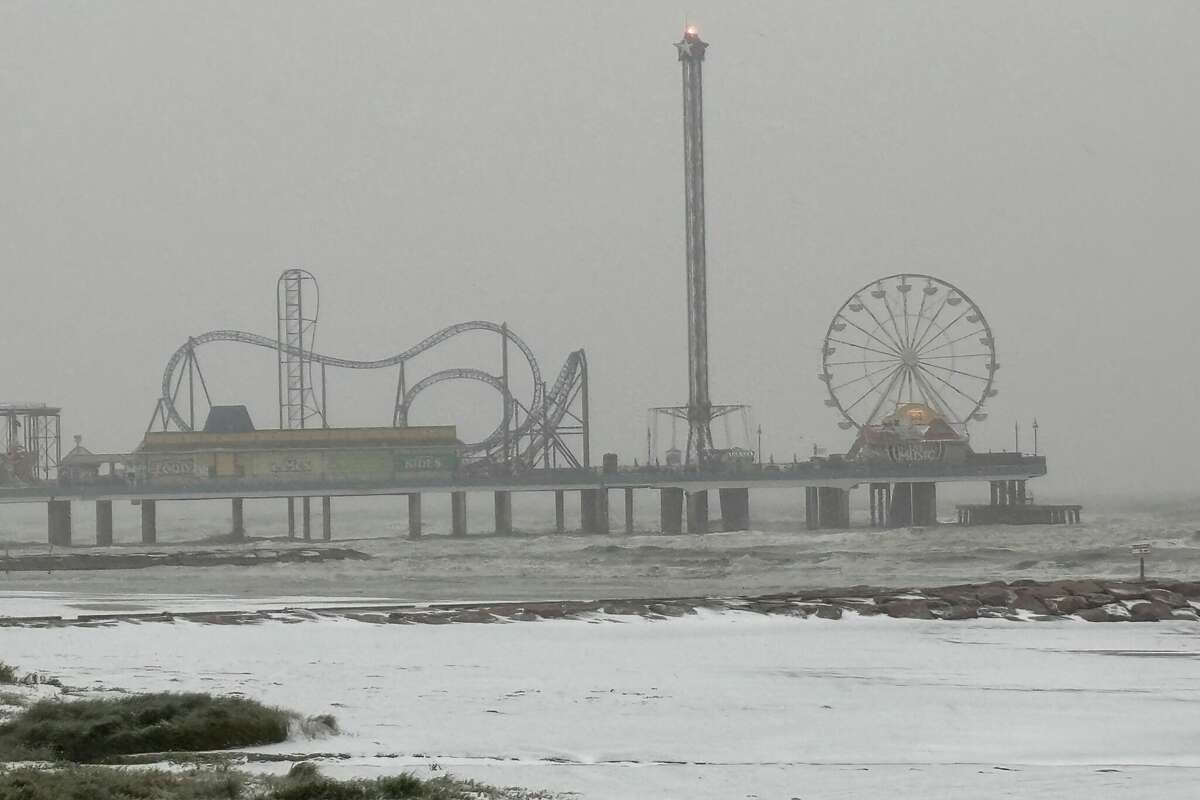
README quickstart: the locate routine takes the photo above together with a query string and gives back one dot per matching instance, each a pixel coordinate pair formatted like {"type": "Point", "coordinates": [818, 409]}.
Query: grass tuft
{"type": "Point", "coordinates": [93, 730]}
{"type": "Point", "coordinates": [304, 782]}
{"type": "Point", "coordinates": [8, 673]}
{"type": "Point", "coordinates": [104, 783]}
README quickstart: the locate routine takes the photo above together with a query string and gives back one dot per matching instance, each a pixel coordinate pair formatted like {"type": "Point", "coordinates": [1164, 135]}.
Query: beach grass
{"type": "Point", "coordinates": [93, 730]}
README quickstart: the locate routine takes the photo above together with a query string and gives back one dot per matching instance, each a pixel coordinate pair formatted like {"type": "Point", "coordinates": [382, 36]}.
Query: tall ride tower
{"type": "Point", "coordinates": [691, 58]}
{"type": "Point", "coordinates": [700, 412]}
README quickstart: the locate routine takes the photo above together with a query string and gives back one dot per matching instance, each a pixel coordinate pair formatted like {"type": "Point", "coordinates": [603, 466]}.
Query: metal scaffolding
{"type": "Point", "coordinates": [32, 442]}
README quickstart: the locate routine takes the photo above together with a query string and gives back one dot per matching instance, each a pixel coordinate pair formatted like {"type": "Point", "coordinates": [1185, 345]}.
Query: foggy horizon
{"type": "Point", "coordinates": [434, 164]}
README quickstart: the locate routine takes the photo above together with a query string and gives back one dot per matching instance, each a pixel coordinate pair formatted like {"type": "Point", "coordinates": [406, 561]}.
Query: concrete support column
{"type": "Point", "coordinates": [880, 493]}
{"type": "Point", "coordinates": [503, 506]}
{"type": "Point", "coordinates": [58, 522]}
{"type": "Point", "coordinates": [995, 493]}
{"type": "Point", "coordinates": [326, 518]}
{"type": "Point", "coordinates": [901, 510]}
{"type": "Point", "coordinates": [602, 522]}
{"type": "Point", "coordinates": [306, 517]}
{"type": "Point", "coordinates": [414, 516]}
{"type": "Point", "coordinates": [697, 512]}
{"type": "Point", "coordinates": [811, 507]}
{"type": "Point", "coordinates": [149, 522]}
{"type": "Point", "coordinates": [560, 511]}
{"type": "Point", "coordinates": [735, 509]}
{"type": "Point", "coordinates": [291, 501]}
{"type": "Point", "coordinates": [104, 530]}
{"type": "Point", "coordinates": [671, 508]}
{"type": "Point", "coordinates": [629, 511]}
{"type": "Point", "coordinates": [1021, 493]}
{"type": "Point", "coordinates": [238, 529]}
{"type": "Point", "coordinates": [593, 510]}
{"type": "Point", "coordinates": [458, 513]}
{"type": "Point", "coordinates": [924, 503]}
{"type": "Point", "coordinates": [587, 510]}
{"type": "Point", "coordinates": [833, 507]}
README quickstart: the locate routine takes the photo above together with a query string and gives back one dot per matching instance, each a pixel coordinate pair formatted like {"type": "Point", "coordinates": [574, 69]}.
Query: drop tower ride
{"type": "Point", "coordinates": [699, 411]}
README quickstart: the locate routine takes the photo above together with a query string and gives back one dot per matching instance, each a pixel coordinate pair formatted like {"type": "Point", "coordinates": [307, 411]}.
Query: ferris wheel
{"type": "Point", "coordinates": [909, 338]}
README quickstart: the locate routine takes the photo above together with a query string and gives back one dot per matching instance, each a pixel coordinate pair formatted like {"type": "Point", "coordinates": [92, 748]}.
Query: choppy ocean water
{"type": "Point", "coordinates": [536, 563]}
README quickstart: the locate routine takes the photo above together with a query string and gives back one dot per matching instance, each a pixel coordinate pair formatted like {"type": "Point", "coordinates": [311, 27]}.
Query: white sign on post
{"type": "Point", "coordinates": [1140, 549]}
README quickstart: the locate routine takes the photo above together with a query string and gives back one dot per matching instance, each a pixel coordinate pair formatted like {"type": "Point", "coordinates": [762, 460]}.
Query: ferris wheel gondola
{"type": "Point", "coordinates": [909, 338]}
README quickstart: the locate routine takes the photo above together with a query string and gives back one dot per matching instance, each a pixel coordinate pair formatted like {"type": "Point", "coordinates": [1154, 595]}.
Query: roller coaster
{"type": "Point", "coordinates": [532, 432]}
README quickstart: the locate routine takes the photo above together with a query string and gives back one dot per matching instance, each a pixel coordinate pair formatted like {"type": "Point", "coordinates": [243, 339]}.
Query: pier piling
{"type": "Point", "coordinates": [593, 510]}
{"type": "Point", "coordinates": [735, 509]}
{"type": "Point", "coordinates": [326, 518]}
{"type": "Point", "coordinates": [414, 516]}
{"type": "Point", "coordinates": [671, 507]}
{"type": "Point", "coordinates": [238, 530]}
{"type": "Point", "coordinates": [149, 522]}
{"type": "Point", "coordinates": [58, 522]}
{"type": "Point", "coordinates": [458, 513]}
{"type": "Point", "coordinates": [104, 523]}
{"type": "Point", "coordinates": [503, 507]}
{"type": "Point", "coordinates": [697, 511]}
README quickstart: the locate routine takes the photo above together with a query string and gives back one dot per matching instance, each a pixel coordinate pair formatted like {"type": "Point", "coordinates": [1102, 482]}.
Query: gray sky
{"type": "Point", "coordinates": [162, 162]}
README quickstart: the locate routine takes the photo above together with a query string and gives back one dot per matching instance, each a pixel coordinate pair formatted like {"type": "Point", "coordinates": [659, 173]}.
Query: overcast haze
{"type": "Point", "coordinates": [162, 162]}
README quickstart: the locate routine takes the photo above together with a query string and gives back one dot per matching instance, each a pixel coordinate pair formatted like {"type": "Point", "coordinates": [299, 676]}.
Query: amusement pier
{"type": "Point", "coordinates": [908, 362]}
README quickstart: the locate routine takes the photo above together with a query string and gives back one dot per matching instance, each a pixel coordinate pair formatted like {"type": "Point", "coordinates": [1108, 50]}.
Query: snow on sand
{"type": "Point", "coordinates": [711, 706]}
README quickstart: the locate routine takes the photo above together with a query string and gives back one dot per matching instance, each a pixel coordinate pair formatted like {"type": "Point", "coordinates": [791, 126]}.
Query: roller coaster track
{"type": "Point", "coordinates": [543, 413]}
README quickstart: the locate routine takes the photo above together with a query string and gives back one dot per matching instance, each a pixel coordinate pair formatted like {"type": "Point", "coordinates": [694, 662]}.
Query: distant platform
{"type": "Point", "coordinates": [1019, 514]}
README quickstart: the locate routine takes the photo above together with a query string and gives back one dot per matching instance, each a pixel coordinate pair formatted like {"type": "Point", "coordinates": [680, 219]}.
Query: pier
{"type": "Point", "coordinates": [824, 488]}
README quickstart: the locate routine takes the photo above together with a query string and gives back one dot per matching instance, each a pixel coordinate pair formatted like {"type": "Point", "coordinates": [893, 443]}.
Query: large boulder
{"type": "Point", "coordinates": [964, 594]}
{"type": "Point", "coordinates": [673, 609]}
{"type": "Point", "coordinates": [908, 609]}
{"type": "Point", "coordinates": [1081, 587]}
{"type": "Point", "coordinates": [961, 611]}
{"type": "Point", "coordinates": [1066, 605]}
{"type": "Point", "coordinates": [829, 612]}
{"type": "Point", "coordinates": [1043, 590]}
{"type": "Point", "coordinates": [1150, 611]}
{"type": "Point", "coordinates": [1170, 598]}
{"type": "Point", "coordinates": [995, 595]}
{"type": "Point", "coordinates": [1126, 591]}
{"type": "Point", "coordinates": [1109, 613]}
{"type": "Point", "coordinates": [1027, 600]}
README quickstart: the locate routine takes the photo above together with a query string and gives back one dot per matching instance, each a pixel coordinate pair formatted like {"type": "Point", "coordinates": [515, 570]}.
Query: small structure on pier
{"type": "Point", "coordinates": [1026, 514]}
{"type": "Point", "coordinates": [82, 466]}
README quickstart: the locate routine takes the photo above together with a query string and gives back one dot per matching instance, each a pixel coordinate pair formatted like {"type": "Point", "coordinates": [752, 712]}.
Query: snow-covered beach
{"type": "Point", "coordinates": [715, 705]}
